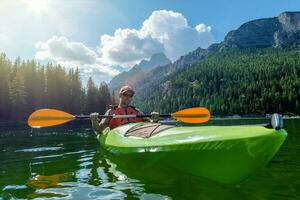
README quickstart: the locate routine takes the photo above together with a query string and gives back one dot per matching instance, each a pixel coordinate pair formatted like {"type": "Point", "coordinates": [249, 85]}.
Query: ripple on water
{"type": "Point", "coordinates": [49, 156]}
{"type": "Point", "coordinates": [39, 149]}
{"type": "Point", "coordinates": [79, 191]}
{"type": "Point", "coordinates": [14, 187]}
{"type": "Point", "coordinates": [103, 193]}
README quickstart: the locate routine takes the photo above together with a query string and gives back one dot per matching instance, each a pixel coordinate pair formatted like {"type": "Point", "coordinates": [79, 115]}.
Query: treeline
{"type": "Point", "coordinates": [249, 81]}
{"type": "Point", "coordinates": [26, 86]}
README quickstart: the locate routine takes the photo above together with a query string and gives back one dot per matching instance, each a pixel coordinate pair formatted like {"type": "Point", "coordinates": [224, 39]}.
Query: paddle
{"type": "Point", "coordinates": [52, 117]}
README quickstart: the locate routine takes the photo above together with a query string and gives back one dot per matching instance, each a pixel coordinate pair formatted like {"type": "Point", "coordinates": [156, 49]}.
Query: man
{"type": "Point", "coordinates": [124, 108]}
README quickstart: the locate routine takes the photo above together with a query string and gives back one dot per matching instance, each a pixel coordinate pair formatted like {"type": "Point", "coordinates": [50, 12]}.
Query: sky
{"type": "Point", "coordinates": [105, 37]}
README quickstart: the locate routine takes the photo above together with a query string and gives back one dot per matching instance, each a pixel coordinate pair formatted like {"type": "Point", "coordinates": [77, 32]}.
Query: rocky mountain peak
{"type": "Point", "coordinates": [158, 59]}
{"type": "Point", "coordinates": [137, 73]}
{"type": "Point", "coordinates": [290, 21]}
{"type": "Point", "coordinates": [280, 31]}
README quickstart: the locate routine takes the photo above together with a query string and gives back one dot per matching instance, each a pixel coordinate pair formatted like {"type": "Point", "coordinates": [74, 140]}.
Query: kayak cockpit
{"type": "Point", "coordinates": [146, 130]}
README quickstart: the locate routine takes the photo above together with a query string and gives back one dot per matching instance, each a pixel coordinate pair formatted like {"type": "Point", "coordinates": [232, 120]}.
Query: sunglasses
{"type": "Point", "coordinates": [127, 95]}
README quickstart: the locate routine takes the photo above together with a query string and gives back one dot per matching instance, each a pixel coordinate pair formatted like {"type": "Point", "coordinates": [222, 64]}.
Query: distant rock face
{"type": "Point", "coordinates": [156, 60]}
{"type": "Point", "coordinates": [290, 21]}
{"type": "Point", "coordinates": [138, 72]}
{"type": "Point", "coordinates": [290, 33]}
{"type": "Point", "coordinates": [280, 31]}
{"type": "Point", "coordinates": [157, 75]}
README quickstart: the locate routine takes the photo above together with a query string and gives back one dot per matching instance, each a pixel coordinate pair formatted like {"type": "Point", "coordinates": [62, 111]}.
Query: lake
{"type": "Point", "coordinates": [67, 162]}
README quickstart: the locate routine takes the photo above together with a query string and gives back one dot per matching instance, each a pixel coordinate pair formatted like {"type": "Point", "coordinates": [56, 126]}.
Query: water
{"type": "Point", "coordinates": [68, 163]}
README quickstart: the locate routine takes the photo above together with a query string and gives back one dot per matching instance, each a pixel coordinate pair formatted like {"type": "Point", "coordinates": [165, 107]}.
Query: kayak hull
{"type": "Point", "coordinates": [225, 154]}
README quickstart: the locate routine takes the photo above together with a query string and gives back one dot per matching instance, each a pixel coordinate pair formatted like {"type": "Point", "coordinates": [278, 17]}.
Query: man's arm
{"type": "Point", "coordinates": [99, 127]}
{"type": "Point", "coordinates": [95, 125]}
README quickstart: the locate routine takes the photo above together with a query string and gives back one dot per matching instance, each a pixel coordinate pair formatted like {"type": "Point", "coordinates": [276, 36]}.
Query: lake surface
{"type": "Point", "coordinates": [68, 163]}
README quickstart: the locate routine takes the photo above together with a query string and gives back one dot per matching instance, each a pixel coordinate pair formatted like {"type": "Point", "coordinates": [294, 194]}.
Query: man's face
{"type": "Point", "coordinates": [126, 98]}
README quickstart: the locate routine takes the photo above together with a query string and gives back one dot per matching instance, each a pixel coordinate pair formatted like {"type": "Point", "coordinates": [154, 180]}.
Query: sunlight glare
{"type": "Point", "coordinates": [37, 6]}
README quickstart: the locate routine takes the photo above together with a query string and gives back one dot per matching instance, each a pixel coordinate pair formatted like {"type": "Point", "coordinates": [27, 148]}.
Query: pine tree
{"type": "Point", "coordinates": [103, 97]}
{"type": "Point", "coordinates": [5, 67]}
{"type": "Point", "coordinates": [91, 97]}
{"type": "Point", "coordinates": [17, 97]}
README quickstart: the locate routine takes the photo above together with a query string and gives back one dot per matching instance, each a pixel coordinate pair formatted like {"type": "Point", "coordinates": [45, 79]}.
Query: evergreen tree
{"type": "Point", "coordinates": [91, 97]}
{"type": "Point", "coordinates": [104, 97]}
{"type": "Point", "coordinates": [75, 91]}
{"type": "Point", "coordinates": [5, 67]}
{"type": "Point", "coordinates": [17, 96]}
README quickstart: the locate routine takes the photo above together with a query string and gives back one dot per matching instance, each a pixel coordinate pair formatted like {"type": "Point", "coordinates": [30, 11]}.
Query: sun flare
{"type": "Point", "coordinates": [37, 6]}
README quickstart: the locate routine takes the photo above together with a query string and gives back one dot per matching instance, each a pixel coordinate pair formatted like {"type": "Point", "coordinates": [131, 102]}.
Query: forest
{"type": "Point", "coordinates": [26, 86]}
{"type": "Point", "coordinates": [236, 81]}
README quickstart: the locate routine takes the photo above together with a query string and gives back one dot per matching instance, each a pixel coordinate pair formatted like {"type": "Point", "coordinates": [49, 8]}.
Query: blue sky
{"type": "Point", "coordinates": [105, 37]}
{"type": "Point", "coordinates": [222, 15]}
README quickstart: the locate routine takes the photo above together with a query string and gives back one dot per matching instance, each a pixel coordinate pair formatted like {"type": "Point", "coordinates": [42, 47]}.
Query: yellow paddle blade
{"type": "Point", "coordinates": [192, 115]}
{"type": "Point", "coordinates": [48, 117]}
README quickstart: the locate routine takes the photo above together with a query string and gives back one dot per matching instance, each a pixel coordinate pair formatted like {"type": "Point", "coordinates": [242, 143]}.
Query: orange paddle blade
{"type": "Point", "coordinates": [48, 117]}
{"type": "Point", "coordinates": [192, 115]}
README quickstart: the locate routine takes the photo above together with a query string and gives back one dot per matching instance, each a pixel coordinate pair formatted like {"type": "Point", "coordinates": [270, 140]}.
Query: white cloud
{"type": "Point", "coordinates": [74, 54]}
{"type": "Point", "coordinates": [164, 31]}
{"type": "Point", "coordinates": [202, 28]}
{"type": "Point", "coordinates": [128, 46]}
{"type": "Point", "coordinates": [161, 24]}
{"type": "Point", "coordinates": [60, 49]}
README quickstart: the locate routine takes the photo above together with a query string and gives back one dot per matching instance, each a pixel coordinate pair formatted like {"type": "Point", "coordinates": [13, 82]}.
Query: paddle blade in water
{"type": "Point", "coordinates": [48, 117]}
{"type": "Point", "coordinates": [192, 115]}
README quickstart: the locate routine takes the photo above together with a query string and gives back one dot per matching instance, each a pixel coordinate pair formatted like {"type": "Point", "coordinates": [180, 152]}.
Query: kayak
{"type": "Point", "coordinates": [227, 154]}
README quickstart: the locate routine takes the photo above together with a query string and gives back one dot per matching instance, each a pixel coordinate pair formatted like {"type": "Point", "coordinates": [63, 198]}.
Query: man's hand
{"type": "Point", "coordinates": [154, 117]}
{"type": "Point", "coordinates": [94, 117]}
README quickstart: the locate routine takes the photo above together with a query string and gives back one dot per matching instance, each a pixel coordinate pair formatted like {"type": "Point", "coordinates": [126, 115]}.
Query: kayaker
{"type": "Point", "coordinates": [126, 94]}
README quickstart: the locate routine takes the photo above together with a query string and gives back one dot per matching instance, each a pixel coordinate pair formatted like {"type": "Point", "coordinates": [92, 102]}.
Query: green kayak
{"type": "Point", "coordinates": [227, 154]}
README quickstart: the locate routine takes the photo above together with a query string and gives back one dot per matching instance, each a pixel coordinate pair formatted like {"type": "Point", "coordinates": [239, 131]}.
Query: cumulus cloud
{"type": "Point", "coordinates": [74, 54]}
{"type": "Point", "coordinates": [60, 49]}
{"type": "Point", "coordinates": [128, 46]}
{"type": "Point", "coordinates": [164, 31]}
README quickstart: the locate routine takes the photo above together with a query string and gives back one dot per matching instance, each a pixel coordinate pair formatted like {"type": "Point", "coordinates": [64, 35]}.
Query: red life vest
{"type": "Point", "coordinates": [130, 110]}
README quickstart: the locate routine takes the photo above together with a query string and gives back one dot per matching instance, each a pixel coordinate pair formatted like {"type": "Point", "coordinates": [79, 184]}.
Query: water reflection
{"type": "Point", "coordinates": [88, 175]}
{"type": "Point", "coordinates": [75, 167]}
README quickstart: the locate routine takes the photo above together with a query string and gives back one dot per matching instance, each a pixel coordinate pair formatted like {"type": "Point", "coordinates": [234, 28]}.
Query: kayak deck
{"type": "Point", "coordinates": [187, 135]}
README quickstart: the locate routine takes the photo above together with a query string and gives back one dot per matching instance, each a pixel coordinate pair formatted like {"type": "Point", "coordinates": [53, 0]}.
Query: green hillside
{"type": "Point", "coordinates": [235, 81]}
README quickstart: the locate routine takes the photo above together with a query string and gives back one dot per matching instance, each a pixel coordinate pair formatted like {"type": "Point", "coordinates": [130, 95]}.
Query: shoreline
{"type": "Point", "coordinates": [213, 118]}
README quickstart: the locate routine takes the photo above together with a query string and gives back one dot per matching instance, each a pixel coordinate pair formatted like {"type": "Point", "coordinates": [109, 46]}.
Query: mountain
{"type": "Point", "coordinates": [138, 72]}
{"type": "Point", "coordinates": [236, 81]}
{"type": "Point", "coordinates": [278, 32]}
{"type": "Point", "coordinates": [158, 74]}
{"type": "Point", "coordinates": [156, 60]}
{"type": "Point", "coordinates": [248, 42]}
{"type": "Point", "coordinates": [281, 31]}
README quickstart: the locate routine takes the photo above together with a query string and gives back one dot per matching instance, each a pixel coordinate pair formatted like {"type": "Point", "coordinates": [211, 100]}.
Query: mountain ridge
{"type": "Point", "coordinates": [276, 32]}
